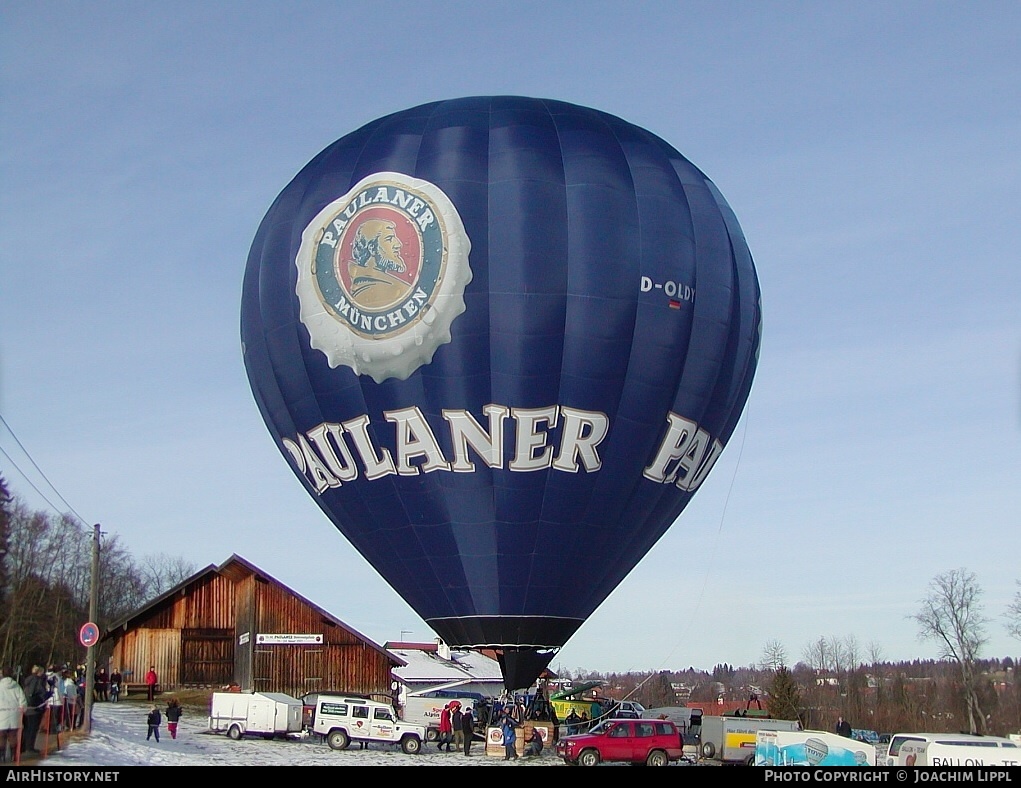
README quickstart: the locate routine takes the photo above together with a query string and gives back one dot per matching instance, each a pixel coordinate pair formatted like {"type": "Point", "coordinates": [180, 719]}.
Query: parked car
{"type": "Point", "coordinates": [643, 741]}
{"type": "Point", "coordinates": [627, 710]}
{"type": "Point", "coordinates": [308, 706]}
{"type": "Point", "coordinates": [342, 719]}
{"type": "Point", "coordinates": [310, 699]}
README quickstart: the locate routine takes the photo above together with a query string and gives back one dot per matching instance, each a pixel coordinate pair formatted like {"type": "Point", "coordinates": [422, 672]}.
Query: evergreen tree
{"type": "Point", "coordinates": [657, 691]}
{"type": "Point", "coordinates": [784, 695]}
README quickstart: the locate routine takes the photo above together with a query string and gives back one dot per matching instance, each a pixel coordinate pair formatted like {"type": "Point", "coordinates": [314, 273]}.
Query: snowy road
{"type": "Point", "coordinates": [118, 739]}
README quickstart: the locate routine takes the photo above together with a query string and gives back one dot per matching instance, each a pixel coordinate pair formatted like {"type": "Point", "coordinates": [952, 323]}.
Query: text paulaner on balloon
{"type": "Point", "coordinates": [332, 454]}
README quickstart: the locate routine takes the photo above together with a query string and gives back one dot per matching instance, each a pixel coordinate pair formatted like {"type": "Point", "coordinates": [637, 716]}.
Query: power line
{"type": "Point", "coordinates": [25, 477]}
{"type": "Point", "coordinates": [68, 507]}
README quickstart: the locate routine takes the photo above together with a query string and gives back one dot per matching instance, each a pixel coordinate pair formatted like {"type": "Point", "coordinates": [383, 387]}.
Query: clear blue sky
{"type": "Point", "coordinates": [871, 152]}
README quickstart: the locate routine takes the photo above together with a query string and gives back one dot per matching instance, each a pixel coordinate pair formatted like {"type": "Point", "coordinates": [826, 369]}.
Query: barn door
{"type": "Point", "coordinates": [207, 657]}
{"type": "Point", "coordinates": [262, 669]}
{"type": "Point", "coordinates": [312, 670]}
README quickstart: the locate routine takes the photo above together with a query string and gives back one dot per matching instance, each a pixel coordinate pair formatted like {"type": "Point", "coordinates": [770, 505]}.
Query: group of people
{"type": "Point", "coordinates": [576, 723]}
{"type": "Point", "coordinates": [513, 715]}
{"type": "Point", "coordinates": [53, 699]}
{"type": "Point", "coordinates": [154, 719]}
{"type": "Point", "coordinates": [457, 728]}
{"type": "Point", "coordinates": [533, 744]}
{"type": "Point", "coordinates": [110, 688]}
{"type": "Point", "coordinates": [107, 687]}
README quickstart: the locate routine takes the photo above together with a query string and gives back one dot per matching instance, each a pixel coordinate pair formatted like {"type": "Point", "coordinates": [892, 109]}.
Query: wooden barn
{"type": "Point", "coordinates": [233, 624]}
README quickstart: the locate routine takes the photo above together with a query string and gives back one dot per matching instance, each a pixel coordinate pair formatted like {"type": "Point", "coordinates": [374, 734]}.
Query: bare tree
{"type": "Point", "coordinates": [951, 614]}
{"type": "Point", "coordinates": [46, 574]}
{"type": "Point", "coordinates": [122, 589]}
{"type": "Point", "coordinates": [774, 656]}
{"type": "Point", "coordinates": [834, 654]}
{"type": "Point", "coordinates": [1014, 614]}
{"type": "Point", "coordinates": [851, 653]}
{"type": "Point", "coordinates": [817, 654]}
{"type": "Point", "coordinates": [5, 536]}
{"type": "Point", "coordinates": [161, 572]}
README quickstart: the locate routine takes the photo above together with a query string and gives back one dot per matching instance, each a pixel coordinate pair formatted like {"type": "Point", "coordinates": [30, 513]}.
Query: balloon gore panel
{"type": "Point", "coordinates": [501, 341]}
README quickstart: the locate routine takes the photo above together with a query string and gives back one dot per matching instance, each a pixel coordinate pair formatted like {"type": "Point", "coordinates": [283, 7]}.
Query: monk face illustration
{"type": "Point", "coordinates": [376, 254]}
{"type": "Point", "coordinates": [389, 247]}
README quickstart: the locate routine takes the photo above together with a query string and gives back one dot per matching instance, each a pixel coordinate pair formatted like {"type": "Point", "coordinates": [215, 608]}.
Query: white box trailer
{"type": "Point", "coordinates": [266, 714]}
{"type": "Point", "coordinates": [811, 748]}
{"type": "Point", "coordinates": [731, 738]}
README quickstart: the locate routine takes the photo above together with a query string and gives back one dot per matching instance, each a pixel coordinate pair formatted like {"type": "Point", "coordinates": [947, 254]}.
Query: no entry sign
{"type": "Point", "coordinates": [88, 635]}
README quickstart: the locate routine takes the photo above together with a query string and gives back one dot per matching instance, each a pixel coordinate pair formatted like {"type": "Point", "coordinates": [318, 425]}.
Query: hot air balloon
{"type": "Point", "coordinates": [501, 341]}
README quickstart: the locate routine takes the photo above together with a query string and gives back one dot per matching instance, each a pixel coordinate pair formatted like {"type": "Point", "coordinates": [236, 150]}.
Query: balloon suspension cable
{"type": "Point", "coordinates": [712, 558]}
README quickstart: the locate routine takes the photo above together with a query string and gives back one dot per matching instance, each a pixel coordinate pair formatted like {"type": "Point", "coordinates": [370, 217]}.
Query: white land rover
{"type": "Point", "coordinates": [343, 719]}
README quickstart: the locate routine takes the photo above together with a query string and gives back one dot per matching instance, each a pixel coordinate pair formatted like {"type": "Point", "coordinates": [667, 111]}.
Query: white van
{"type": "Point", "coordinates": [342, 719]}
{"type": "Point", "coordinates": [952, 749]}
{"type": "Point", "coordinates": [425, 710]}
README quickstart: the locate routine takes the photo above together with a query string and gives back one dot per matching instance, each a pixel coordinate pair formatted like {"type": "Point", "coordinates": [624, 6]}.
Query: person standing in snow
{"type": "Point", "coordinates": [468, 729]}
{"type": "Point", "coordinates": [151, 680]}
{"type": "Point", "coordinates": [173, 716]}
{"type": "Point", "coordinates": [446, 729]}
{"type": "Point", "coordinates": [510, 738]}
{"type": "Point", "coordinates": [153, 721]}
{"type": "Point", "coordinates": [12, 709]}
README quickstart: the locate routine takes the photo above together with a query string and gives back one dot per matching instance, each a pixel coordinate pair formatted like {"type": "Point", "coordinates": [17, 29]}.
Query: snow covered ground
{"type": "Point", "coordinates": [118, 739]}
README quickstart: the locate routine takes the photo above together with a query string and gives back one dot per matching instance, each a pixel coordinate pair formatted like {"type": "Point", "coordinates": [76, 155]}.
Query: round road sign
{"type": "Point", "coordinates": [88, 635]}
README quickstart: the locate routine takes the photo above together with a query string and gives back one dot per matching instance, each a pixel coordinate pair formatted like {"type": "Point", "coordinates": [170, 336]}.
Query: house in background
{"type": "Point", "coordinates": [235, 625]}
{"type": "Point", "coordinates": [434, 666]}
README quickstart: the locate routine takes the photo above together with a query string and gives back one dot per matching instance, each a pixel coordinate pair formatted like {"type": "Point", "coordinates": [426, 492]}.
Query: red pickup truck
{"type": "Point", "coordinates": [652, 742]}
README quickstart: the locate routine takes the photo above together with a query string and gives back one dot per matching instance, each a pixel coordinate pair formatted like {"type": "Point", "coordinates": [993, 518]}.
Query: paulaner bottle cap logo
{"type": "Point", "coordinates": [381, 275]}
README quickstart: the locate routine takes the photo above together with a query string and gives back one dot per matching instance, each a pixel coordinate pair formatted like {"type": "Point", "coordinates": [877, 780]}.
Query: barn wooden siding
{"type": "Point", "coordinates": [204, 634]}
{"type": "Point", "coordinates": [342, 662]}
{"type": "Point", "coordinates": [188, 637]}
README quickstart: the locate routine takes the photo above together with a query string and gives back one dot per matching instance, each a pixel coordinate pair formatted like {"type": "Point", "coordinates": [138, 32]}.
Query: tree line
{"type": "Point", "coordinates": [45, 582]}
{"type": "Point", "coordinates": [960, 691]}
{"type": "Point", "coordinates": [887, 697]}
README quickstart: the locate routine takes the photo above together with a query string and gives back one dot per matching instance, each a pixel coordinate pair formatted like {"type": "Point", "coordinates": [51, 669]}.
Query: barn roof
{"type": "Point", "coordinates": [155, 604]}
{"type": "Point", "coordinates": [236, 569]}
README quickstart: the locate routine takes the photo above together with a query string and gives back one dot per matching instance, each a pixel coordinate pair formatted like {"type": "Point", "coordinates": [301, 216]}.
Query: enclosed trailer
{"type": "Point", "coordinates": [811, 748]}
{"type": "Point", "coordinates": [267, 714]}
{"type": "Point", "coordinates": [731, 738]}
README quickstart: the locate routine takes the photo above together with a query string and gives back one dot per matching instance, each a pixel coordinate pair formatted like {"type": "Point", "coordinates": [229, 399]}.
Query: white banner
{"type": "Point", "coordinates": [290, 640]}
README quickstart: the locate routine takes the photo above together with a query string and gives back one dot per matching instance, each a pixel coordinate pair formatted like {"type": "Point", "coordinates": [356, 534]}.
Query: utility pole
{"type": "Point", "coordinates": [90, 655]}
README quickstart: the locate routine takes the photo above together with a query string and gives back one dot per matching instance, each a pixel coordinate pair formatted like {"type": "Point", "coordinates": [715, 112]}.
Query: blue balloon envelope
{"type": "Point", "coordinates": [501, 341]}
